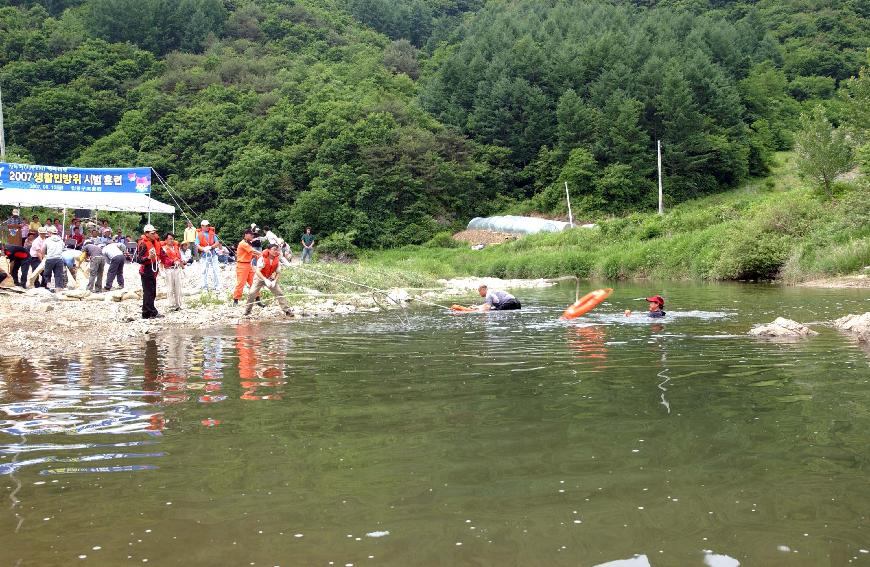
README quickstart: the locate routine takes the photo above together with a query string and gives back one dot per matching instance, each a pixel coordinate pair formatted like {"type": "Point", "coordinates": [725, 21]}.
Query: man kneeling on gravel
{"type": "Point", "coordinates": [266, 275]}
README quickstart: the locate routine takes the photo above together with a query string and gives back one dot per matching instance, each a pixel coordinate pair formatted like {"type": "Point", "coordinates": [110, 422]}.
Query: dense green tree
{"type": "Point", "coordinates": [389, 121]}
{"type": "Point", "coordinates": [55, 124]}
{"type": "Point", "coordinates": [159, 26]}
{"type": "Point", "coordinates": [823, 151]}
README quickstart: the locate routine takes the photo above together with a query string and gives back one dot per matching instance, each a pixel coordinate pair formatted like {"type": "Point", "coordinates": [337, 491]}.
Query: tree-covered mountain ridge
{"type": "Point", "coordinates": [390, 121]}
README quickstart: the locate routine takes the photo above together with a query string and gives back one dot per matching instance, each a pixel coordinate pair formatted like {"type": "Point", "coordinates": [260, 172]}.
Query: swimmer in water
{"type": "Point", "coordinates": [656, 307]}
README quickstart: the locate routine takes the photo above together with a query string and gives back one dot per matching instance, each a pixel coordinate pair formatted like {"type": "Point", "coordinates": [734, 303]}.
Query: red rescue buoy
{"type": "Point", "coordinates": [587, 303]}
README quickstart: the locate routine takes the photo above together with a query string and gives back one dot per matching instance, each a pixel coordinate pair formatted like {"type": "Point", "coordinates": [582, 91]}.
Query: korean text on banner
{"type": "Point", "coordinates": [49, 178]}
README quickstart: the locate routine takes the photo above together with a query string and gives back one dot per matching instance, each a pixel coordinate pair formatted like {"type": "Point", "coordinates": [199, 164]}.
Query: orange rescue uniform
{"type": "Point", "coordinates": [244, 271]}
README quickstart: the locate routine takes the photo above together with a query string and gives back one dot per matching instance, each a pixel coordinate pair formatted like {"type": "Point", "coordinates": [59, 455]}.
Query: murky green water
{"type": "Point", "coordinates": [507, 439]}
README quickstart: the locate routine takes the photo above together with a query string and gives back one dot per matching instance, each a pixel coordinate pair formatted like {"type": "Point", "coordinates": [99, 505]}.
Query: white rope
{"type": "Point", "coordinates": [373, 289]}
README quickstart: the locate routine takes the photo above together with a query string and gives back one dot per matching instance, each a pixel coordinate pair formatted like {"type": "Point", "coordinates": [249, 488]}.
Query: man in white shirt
{"type": "Point", "coordinates": [114, 253]}
{"type": "Point", "coordinates": [266, 275]}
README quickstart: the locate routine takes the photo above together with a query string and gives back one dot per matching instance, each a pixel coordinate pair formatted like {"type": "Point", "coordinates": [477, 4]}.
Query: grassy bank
{"type": "Point", "coordinates": [771, 228]}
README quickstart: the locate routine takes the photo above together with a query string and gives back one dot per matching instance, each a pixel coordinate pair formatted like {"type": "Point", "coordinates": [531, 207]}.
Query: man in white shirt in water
{"type": "Point", "coordinates": [497, 300]}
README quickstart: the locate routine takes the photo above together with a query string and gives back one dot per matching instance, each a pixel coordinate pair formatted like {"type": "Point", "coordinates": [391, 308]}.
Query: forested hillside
{"type": "Point", "coordinates": [393, 120]}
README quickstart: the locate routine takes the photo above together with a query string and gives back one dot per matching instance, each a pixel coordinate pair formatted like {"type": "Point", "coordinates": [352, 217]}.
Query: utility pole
{"type": "Point", "coordinates": [570, 216]}
{"type": "Point", "coordinates": [2, 136]}
{"type": "Point", "coordinates": [661, 192]}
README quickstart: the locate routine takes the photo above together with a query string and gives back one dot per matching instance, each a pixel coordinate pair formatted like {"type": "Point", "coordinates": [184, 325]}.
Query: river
{"type": "Point", "coordinates": [431, 438]}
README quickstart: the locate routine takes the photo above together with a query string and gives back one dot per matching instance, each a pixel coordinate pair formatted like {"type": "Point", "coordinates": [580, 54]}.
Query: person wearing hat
{"type": "Point", "coordinates": [13, 227]}
{"type": "Point", "coordinates": [54, 265]}
{"type": "Point", "coordinates": [105, 236]}
{"type": "Point", "coordinates": [206, 240]}
{"type": "Point", "coordinates": [37, 259]}
{"type": "Point", "coordinates": [266, 275]}
{"type": "Point", "coordinates": [150, 254]}
{"type": "Point", "coordinates": [656, 307]}
{"type": "Point", "coordinates": [245, 253]}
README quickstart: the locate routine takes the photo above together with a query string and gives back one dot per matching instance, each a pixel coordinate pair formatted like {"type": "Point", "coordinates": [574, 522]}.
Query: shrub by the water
{"type": "Point", "coordinates": [339, 245]}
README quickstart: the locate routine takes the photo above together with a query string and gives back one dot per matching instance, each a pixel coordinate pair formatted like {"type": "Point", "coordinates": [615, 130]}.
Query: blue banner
{"type": "Point", "coordinates": [49, 178]}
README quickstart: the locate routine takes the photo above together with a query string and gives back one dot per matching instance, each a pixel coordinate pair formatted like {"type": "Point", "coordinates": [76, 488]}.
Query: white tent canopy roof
{"type": "Point", "coordinates": [126, 202]}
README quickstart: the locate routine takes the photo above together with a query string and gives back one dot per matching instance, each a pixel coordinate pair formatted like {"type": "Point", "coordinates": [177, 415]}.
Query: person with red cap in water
{"type": "Point", "coordinates": [656, 307]}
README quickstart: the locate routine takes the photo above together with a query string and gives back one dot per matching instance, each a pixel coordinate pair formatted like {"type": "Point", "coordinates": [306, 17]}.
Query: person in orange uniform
{"type": "Point", "coordinates": [266, 275]}
{"type": "Point", "coordinates": [150, 254]}
{"type": "Point", "coordinates": [245, 254]}
{"type": "Point", "coordinates": [172, 265]}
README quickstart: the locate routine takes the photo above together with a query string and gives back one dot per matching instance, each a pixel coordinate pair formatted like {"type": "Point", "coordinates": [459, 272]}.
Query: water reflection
{"type": "Point", "coordinates": [588, 343]}
{"type": "Point", "coordinates": [287, 439]}
{"type": "Point", "coordinates": [96, 394]}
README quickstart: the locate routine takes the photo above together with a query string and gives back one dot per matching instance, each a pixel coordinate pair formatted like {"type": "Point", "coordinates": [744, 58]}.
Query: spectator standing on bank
{"type": "Point", "coordinates": [94, 251]}
{"type": "Point", "coordinates": [78, 237]}
{"type": "Point", "coordinates": [150, 255]}
{"type": "Point", "coordinates": [172, 267]}
{"type": "Point", "coordinates": [105, 235]}
{"type": "Point", "coordinates": [206, 242]}
{"type": "Point", "coordinates": [114, 254]}
{"type": "Point", "coordinates": [186, 255]}
{"type": "Point", "coordinates": [190, 239]}
{"type": "Point", "coordinates": [307, 245]}
{"type": "Point", "coordinates": [54, 266]}
{"type": "Point", "coordinates": [13, 228]}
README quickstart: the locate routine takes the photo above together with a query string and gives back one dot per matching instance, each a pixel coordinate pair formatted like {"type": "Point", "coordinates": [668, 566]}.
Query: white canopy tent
{"type": "Point", "coordinates": [125, 202]}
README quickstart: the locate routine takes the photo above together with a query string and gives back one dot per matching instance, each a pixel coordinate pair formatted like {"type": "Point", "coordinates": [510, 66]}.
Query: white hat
{"type": "Point", "coordinates": [52, 229]}
{"type": "Point", "coordinates": [149, 228]}
{"type": "Point", "coordinates": [16, 212]}
{"type": "Point", "coordinates": [204, 223]}
{"type": "Point", "coordinates": [43, 230]}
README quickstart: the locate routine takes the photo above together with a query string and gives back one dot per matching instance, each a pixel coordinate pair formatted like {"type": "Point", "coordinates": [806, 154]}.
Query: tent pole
{"type": "Point", "coordinates": [63, 227]}
{"type": "Point", "coordinates": [173, 224]}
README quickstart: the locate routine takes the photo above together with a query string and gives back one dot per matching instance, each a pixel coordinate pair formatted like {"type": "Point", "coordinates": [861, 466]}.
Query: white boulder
{"type": "Point", "coordinates": [857, 324]}
{"type": "Point", "coordinates": [782, 328]}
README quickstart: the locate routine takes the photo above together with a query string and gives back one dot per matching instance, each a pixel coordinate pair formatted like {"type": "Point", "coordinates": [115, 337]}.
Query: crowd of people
{"type": "Point", "coordinates": [47, 255]}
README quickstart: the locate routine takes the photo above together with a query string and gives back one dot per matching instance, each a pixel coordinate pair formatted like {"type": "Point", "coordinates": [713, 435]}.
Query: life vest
{"type": "Point", "coordinates": [270, 265]}
{"type": "Point", "coordinates": [149, 246]}
{"type": "Point", "coordinates": [171, 254]}
{"type": "Point", "coordinates": [209, 239]}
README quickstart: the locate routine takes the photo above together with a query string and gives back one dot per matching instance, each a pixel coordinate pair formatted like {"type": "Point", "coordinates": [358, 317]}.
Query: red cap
{"type": "Point", "coordinates": [656, 299]}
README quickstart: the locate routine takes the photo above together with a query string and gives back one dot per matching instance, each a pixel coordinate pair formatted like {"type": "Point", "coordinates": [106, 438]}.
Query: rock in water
{"type": "Point", "coordinates": [857, 324]}
{"type": "Point", "coordinates": [398, 296]}
{"type": "Point", "coordinates": [636, 561]}
{"type": "Point", "coordinates": [782, 328]}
